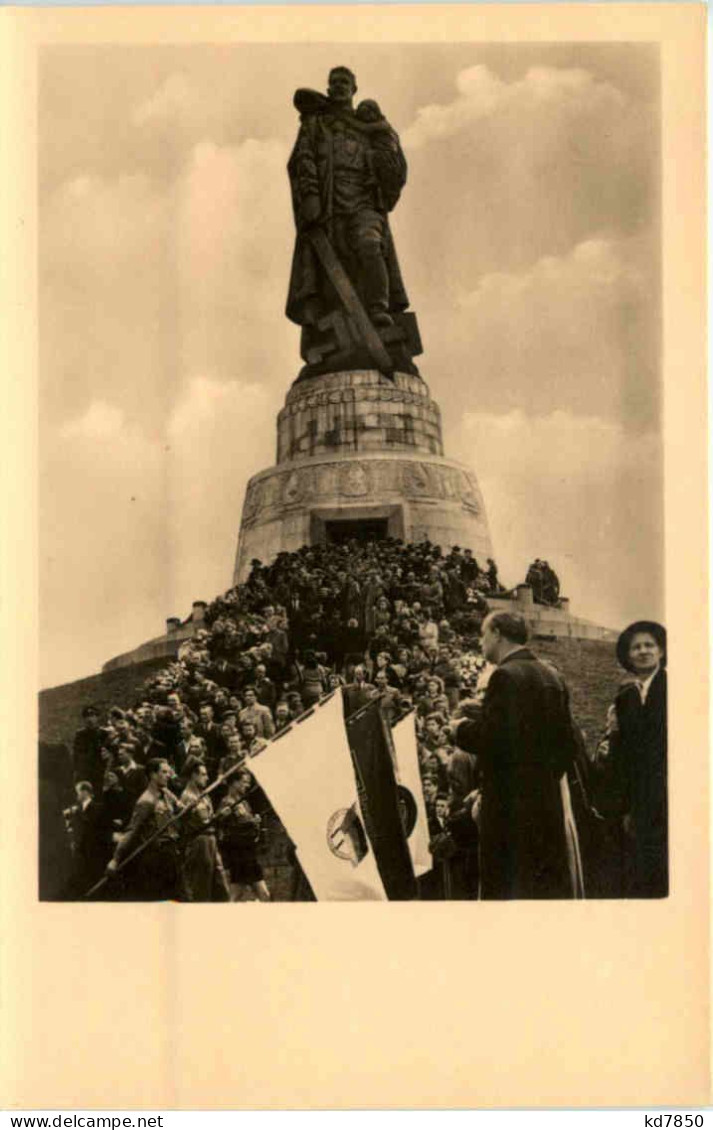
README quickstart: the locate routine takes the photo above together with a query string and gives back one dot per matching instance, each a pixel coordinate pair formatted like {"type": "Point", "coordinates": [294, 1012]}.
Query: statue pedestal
{"type": "Point", "coordinates": [360, 455]}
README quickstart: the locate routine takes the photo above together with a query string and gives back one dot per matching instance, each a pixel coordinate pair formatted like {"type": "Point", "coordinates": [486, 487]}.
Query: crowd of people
{"type": "Point", "coordinates": [400, 623]}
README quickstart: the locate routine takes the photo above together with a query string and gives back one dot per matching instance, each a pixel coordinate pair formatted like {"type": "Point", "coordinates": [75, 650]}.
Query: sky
{"type": "Point", "coordinates": [529, 239]}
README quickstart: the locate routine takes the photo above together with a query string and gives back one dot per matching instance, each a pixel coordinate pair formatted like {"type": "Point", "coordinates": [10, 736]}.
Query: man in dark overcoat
{"type": "Point", "coordinates": [91, 837]}
{"type": "Point", "coordinates": [88, 743]}
{"type": "Point", "coordinates": [525, 743]}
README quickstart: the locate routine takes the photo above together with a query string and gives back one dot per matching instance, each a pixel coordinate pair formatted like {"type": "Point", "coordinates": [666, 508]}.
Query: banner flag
{"type": "Point", "coordinates": [410, 788]}
{"type": "Point", "coordinates": [309, 778]}
{"type": "Point", "coordinates": [371, 744]}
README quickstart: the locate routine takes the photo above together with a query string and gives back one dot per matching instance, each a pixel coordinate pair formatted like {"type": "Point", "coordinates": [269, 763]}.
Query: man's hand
{"type": "Point", "coordinates": [310, 209]}
{"type": "Point", "coordinates": [111, 867]}
{"type": "Point", "coordinates": [477, 806]}
{"type": "Point", "coordinates": [601, 753]}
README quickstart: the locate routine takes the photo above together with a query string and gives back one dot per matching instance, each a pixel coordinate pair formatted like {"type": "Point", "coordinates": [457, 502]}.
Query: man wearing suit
{"type": "Point", "coordinates": [190, 744]}
{"type": "Point", "coordinates": [260, 716]}
{"type": "Point", "coordinates": [525, 743]}
{"type": "Point", "coordinates": [132, 777]}
{"type": "Point", "coordinates": [91, 838]}
{"type": "Point", "coordinates": [209, 731]}
{"type": "Point", "coordinates": [470, 569]}
{"type": "Point", "coordinates": [264, 688]}
{"type": "Point", "coordinates": [358, 693]}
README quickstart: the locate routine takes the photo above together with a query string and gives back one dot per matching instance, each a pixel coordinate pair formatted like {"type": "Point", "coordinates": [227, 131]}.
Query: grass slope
{"type": "Point", "coordinates": [60, 707]}
{"type": "Point", "coordinates": [593, 676]}
{"type": "Point", "coordinates": [589, 668]}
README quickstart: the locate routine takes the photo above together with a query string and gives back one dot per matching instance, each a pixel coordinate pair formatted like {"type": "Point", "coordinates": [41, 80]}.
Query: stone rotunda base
{"type": "Point", "coordinates": [360, 456]}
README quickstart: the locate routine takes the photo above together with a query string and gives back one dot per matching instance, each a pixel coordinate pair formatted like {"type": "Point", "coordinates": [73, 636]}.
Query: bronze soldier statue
{"type": "Point", "coordinates": [346, 291]}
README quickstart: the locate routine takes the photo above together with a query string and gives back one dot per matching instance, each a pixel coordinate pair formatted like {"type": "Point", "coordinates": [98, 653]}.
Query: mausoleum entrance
{"type": "Point", "coordinates": [362, 530]}
{"type": "Point", "coordinates": [336, 525]}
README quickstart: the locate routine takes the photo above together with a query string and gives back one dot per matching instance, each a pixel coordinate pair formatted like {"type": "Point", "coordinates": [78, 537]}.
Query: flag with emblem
{"type": "Point", "coordinates": [408, 779]}
{"type": "Point", "coordinates": [381, 801]}
{"type": "Point", "coordinates": [308, 776]}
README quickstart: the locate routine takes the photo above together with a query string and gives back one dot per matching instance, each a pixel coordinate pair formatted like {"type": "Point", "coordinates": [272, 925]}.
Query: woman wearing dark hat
{"type": "Point", "coordinates": [638, 758]}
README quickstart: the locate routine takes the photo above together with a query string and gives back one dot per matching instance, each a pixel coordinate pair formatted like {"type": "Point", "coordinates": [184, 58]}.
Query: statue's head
{"type": "Point", "coordinates": [342, 85]}
{"type": "Point", "coordinates": [369, 111]}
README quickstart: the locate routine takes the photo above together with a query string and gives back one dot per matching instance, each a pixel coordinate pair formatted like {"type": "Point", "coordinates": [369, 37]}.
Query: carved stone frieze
{"type": "Point", "coordinates": [385, 478]}
{"type": "Point", "coordinates": [327, 480]}
{"type": "Point", "coordinates": [416, 479]}
{"type": "Point", "coordinates": [271, 493]}
{"type": "Point", "coordinates": [449, 482]}
{"type": "Point", "coordinates": [292, 490]}
{"type": "Point", "coordinates": [354, 480]}
{"type": "Point", "coordinates": [470, 494]}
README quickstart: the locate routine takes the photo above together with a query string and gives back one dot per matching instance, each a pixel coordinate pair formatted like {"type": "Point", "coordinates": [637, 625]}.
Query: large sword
{"type": "Point", "coordinates": [350, 299]}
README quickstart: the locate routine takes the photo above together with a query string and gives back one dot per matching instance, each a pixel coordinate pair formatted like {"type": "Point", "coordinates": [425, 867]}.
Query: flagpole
{"type": "Point", "coordinates": [164, 827]}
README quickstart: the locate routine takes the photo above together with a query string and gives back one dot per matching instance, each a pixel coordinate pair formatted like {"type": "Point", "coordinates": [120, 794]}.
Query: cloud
{"type": "Point", "coordinates": [575, 331]}
{"type": "Point", "coordinates": [105, 314]}
{"type": "Point", "coordinates": [532, 264]}
{"type": "Point", "coordinates": [144, 283]}
{"type": "Point", "coordinates": [509, 172]}
{"type": "Point", "coordinates": [580, 492]}
{"type": "Point", "coordinates": [165, 356]}
{"type": "Point", "coordinates": [100, 421]}
{"type": "Point", "coordinates": [175, 98]}
{"type": "Point", "coordinates": [219, 435]}
{"type": "Point", "coordinates": [96, 224]}
{"type": "Point", "coordinates": [188, 108]}
{"type": "Point", "coordinates": [482, 94]}
{"type": "Point", "coordinates": [144, 525]}
{"type": "Point", "coordinates": [104, 580]}
{"type": "Point", "coordinates": [233, 238]}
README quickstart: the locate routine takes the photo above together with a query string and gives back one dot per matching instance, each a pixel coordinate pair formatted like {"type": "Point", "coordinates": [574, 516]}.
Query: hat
{"type": "Point", "coordinates": [624, 642]}
{"type": "Point", "coordinates": [90, 711]}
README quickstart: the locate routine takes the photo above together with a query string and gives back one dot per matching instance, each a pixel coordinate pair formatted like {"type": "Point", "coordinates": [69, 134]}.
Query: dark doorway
{"type": "Point", "coordinates": [363, 529]}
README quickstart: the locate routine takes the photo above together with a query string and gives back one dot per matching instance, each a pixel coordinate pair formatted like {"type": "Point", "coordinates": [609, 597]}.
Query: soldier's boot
{"type": "Point", "coordinates": [375, 280]}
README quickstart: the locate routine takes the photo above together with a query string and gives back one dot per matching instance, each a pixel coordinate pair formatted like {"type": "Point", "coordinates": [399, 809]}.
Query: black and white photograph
{"type": "Point", "coordinates": [351, 473]}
